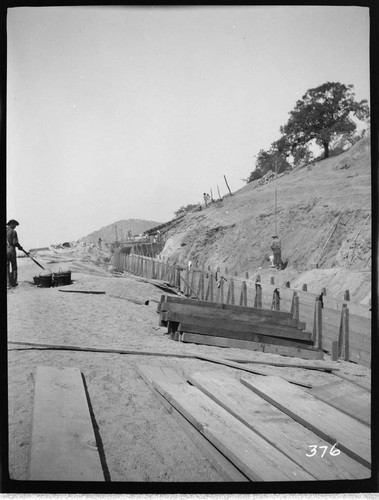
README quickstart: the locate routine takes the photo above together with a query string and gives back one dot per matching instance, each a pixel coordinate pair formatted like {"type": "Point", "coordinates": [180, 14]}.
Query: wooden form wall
{"type": "Point", "coordinates": [351, 329]}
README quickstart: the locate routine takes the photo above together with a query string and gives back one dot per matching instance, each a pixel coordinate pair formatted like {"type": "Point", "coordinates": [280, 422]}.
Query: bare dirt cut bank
{"type": "Point", "coordinates": [323, 217]}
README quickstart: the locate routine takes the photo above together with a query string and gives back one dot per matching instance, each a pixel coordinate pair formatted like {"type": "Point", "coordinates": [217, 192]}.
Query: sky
{"type": "Point", "coordinates": [133, 112]}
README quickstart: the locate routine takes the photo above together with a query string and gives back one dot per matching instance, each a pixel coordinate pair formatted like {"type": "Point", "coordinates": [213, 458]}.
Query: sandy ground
{"type": "Point", "coordinates": [140, 440]}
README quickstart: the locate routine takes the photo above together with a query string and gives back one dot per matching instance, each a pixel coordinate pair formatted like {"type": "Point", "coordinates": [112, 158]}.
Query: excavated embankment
{"type": "Point", "coordinates": [323, 219]}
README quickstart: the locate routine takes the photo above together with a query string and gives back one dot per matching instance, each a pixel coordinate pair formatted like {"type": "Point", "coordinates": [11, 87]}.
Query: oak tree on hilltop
{"type": "Point", "coordinates": [323, 114]}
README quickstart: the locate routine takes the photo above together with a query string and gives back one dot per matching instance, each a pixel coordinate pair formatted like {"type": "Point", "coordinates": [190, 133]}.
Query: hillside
{"type": "Point", "coordinates": [323, 217]}
{"type": "Point", "coordinates": [119, 230]}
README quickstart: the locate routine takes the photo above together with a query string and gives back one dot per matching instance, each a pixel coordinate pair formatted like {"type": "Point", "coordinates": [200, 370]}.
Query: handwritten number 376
{"type": "Point", "coordinates": [333, 451]}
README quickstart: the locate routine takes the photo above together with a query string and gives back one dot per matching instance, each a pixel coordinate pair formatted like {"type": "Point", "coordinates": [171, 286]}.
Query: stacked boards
{"type": "Point", "coordinates": [258, 428]}
{"type": "Point", "coordinates": [227, 325]}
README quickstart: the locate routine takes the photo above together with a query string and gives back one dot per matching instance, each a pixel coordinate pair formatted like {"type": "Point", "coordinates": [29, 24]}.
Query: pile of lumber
{"type": "Point", "coordinates": [263, 428]}
{"type": "Point", "coordinates": [227, 325]}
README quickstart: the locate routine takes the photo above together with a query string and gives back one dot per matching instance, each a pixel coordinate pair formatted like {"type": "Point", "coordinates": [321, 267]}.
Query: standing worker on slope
{"type": "Point", "coordinates": [12, 244]}
{"type": "Point", "coordinates": [276, 248]}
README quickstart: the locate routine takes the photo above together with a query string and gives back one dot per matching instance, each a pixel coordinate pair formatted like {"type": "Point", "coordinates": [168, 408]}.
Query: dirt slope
{"type": "Point", "coordinates": [323, 216]}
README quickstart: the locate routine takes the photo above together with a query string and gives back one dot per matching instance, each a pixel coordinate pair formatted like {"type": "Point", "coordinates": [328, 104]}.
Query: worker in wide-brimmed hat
{"type": "Point", "coordinates": [277, 250]}
{"type": "Point", "coordinates": [12, 244]}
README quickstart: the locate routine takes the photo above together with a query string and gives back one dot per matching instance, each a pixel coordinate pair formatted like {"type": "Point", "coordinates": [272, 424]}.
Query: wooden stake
{"type": "Point", "coordinates": [192, 286]}
{"type": "Point", "coordinates": [346, 333]}
{"type": "Point", "coordinates": [227, 185]}
{"type": "Point", "coordinates": [153, 270]}
{"type": "Point", "coordinates": [335, 350]}
{"type": "Point", "coordinates": [275, 302]}
{"type": "Point", "coordinates": [209, 294]}
{"type": "Point", "coordinates": [177, 267]}
{"type": "Point", "coordinates": [217, 292]}
{"type": "Point", "coordinates": [296, 308]}
{"type": "Point", "coordinates": [244, 288]}
{"type": "Point", "coordinates": [221, 291]}
{"type": "Point", "coordinates": [186, 289]}
{"type": "Point", "coordinates": [201, 294]}
{"type": "Point", "coordinates": [341, 332]}
{"type": "Point", "coordinates": [258, 297]}
{"type": "Point", "coordinates": [319, 324]}
{"type": "Point", "coordinates": [292, 311]}
{"type": "Point", "coordinates": [346, 295]}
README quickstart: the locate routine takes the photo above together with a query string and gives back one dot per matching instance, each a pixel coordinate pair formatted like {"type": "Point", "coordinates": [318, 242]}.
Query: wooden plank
{"type": "Point", "coordinates": [59, 347]}
{"type": "Point", "coordinates": [139, 302]}
{"type": "Point", "coordinates": [229, 307]}
{"type": "Point", "coordinates": [251, 454]}
{"type": "Point", "coordinates": [333, 425]}
{"type": "Point", "coordinates": [313, 366]}
{"type": "Point", "coordinates": [276, 317]}
{"type": "Point", "coordinates": [223, 466]}
{"type": "Point", "coordinates": [252, 346]}
{"type": "Point", "coordinates": [284, 433]}
{"type": "Point", "coordinates": [98, 292]}
{"type": "Point", "coordinates": [255, 370]}
{"type": "Point", "coordinates": [360, 383]}
{"type": "Point", "coordinates": [231, 328]}
{"type": "Point", "coordinates": [193, 310]}
{"type": "Point", "coordinates": [346, 397]}
{"type": "Point", "coordinates": [196, 325]}
{"type": "Point", "coordinates": [63, 443]}
{"type": "Point", "coordinates": [361, 310]}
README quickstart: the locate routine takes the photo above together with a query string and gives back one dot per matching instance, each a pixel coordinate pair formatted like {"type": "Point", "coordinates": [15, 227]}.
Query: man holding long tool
{"type": "Point", "coordinates": [12, 244]}
{"type": "Point", "coordinates": [276, 248]}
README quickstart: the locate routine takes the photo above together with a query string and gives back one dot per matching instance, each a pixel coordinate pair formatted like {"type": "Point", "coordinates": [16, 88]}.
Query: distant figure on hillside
{"type": "Point", "coordinates": [277, 250]}
{"type": "Point", "coordinates": [206, 197]}
{"type": "Point", "coordinates": [12, 244]}
{"type": "Point", "coordinates": [99, 243]}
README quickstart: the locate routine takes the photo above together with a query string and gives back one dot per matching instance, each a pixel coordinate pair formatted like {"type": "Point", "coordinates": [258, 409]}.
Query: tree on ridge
{"type": "Point", "coordinates": [323, 114]}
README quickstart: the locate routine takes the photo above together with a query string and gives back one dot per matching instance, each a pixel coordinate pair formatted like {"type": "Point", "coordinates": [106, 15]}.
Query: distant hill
{"type": "Point", "coordinates": [119, 230]}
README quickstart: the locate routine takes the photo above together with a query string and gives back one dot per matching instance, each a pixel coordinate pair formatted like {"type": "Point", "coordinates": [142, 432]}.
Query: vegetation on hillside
{"type": "Point", "coordinates": [323, 115]}
{"type": "Point", "coordinates": [185, 209]}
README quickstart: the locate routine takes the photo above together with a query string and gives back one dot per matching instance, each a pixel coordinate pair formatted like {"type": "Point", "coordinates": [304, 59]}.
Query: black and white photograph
{"type": "Point", "coordinates": [189, 221]}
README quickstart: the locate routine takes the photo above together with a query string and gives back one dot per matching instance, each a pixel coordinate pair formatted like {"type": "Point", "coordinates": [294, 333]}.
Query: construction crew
{"type": "Point", "coordinates": [12, 244]}
{"type": "Point", "coordinates": [276, 248]}
{"type": "Point", "coordinates": [206, 198]}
